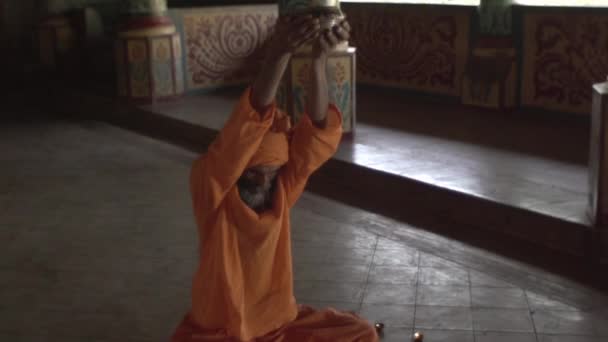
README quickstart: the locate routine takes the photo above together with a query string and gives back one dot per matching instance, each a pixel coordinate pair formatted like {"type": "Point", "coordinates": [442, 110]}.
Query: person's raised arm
{"type": "Point", "coordinates": [318, 100]}
{"type": "Point", "coordinates": [317, 135]}
{"type": "Point", "coordinates": [217, 171]}
{"type": "Point", "coordinates": [291, 32]}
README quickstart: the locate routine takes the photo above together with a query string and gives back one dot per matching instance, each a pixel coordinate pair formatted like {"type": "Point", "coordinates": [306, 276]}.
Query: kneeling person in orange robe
{"type": "Point", "coordinates": [242, 191]}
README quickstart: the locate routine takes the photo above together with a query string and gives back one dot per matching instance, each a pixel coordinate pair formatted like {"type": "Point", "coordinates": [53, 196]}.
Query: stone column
{"type": "Point", "coordinates": [491, 73]}
{"type": "Point", "coordinates": [18, 19]}
{"type": "Point", "coordinates": [148, 54]}
{"type": "Point", "coordinates": [56, 36]}
{"type": "Point", "coordinates": [598, 167]}
{"type": "Point", "coordinates": [340, 69]}
{"type": "Point", "coordinates": [495, 17]}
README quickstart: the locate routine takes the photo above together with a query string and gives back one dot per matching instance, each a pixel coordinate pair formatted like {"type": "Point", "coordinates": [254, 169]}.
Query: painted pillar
{"type": "Point", "coordinates": [56, 36]}
{"type": "Point", "coordinates": [495, 17]}
{"type": "Point", "coordinates": [148, 54]}
{"type": "Point", "coordinates": [17, 21]}
{"type": "Point", "coordinates": [598, 167]}
{"type": "Point", "coordinates": [340, 68]}
{"type": "Point", "coordinates": [491, 72]}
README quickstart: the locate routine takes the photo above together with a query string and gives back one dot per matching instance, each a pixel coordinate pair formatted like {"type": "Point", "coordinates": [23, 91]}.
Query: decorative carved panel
{"type": "Point", "coordinates": [564, 55]}
{"type": "Point", "coordinates": [416, 47]}
{"type": "Point", "coordinates": [225, 45]}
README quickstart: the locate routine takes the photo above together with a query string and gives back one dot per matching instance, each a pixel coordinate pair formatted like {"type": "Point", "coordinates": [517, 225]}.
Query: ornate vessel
{"type": "Point", "coordinates": [317, 7]}
{"type": "Point", "coordinates": [328, 11]}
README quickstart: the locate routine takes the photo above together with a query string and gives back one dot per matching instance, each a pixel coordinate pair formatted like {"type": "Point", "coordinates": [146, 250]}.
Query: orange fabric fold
{"type": "Point", "coordinates": [274, 148]}
{"type": "Point", "coordinates": [328, 325]}
{"type": "Point", "coordinates": [243, 287]}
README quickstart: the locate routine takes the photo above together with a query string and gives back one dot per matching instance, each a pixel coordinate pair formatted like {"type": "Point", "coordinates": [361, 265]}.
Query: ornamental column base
{"type": "Point", "coordinates": [490, 78]}
{"type": "Point", "coordinates": [57, 42]}
{"type": "Point", "coordinates": [148, 58]}
{"type": "Point", "coordinates": [341, 77]}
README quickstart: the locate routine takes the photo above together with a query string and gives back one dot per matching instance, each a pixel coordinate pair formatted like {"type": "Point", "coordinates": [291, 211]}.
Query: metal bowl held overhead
{"type": "Point", "coordinates": [328, 12]}
{"type": "Point", "coordinates": [318, 7]}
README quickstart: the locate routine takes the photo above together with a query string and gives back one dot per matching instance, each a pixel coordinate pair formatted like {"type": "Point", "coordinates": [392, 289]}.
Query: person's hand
{"type": "Point", "coordinates": [291, 32]}
{"type": "Point", "coordinates": [330, 38]}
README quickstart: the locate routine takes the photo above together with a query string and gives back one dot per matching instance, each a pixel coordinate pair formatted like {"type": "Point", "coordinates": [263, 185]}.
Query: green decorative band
{"type": "Point", "coordinates": [148, 32]}
{"type": "Point", "coordinates": [57, 6]}
{"type": "Point", "coordinates": [62, 6]}
{"type": "Point", "coordinates": [146, 6]}
{"type": "Point", "coordinates": [495, 17]}
{"type": "Point", "coordinates": [307, 6]}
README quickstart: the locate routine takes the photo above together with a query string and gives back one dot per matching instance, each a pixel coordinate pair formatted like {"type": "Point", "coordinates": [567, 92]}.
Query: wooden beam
{"type": "Point", "coordinates": [598, 167]}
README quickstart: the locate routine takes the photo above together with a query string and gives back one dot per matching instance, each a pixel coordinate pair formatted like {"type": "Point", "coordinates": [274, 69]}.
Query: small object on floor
{"type": "Point", "coordinates": [418, 337]}
{"type": "Point", "coordinates": [379, 327]}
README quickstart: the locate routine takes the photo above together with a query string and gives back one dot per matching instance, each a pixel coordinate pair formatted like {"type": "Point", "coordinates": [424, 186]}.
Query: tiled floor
{"type": "Point", "coordinates": [98, 244]}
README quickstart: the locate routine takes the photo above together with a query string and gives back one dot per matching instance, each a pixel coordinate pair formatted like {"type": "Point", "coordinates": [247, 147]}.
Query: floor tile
{"type": "Point", "coordinates": [486, 280]}
{"type": "Point", "coordinates": [396, 257]}
{"type": "Point", "coordinates": [540, 302]}
{"type": "Point", "coordinates": [398, 334]}
{"type": "Point", "coordinates": [568, 338]}
{"type": "Point", "coordinates": [310, 253]}
{"type": "Point", "coordinates": [393, 274]}
{"type": "Point", "coordinates": [390, 294]}
{"type": "Point", "coordinates": [384, 243]}
{"type": "Point", "coordinates": [355, 238]}
{"type": "Point", "coordinates": [81, 326]}
{"type": "Point", "coordinates": [448, 336]}
{"type": "Point", "coordinates": [490, 297]}
{"type": "Point", "coordinates": [309, 226]}
{"type": "Point", "coordinates": [443, 295]}
{"type": "Point", "coordinates": [600, 324]}
{"type": "Point", "coordinates": [489, 336]}
{"type": "Point", "coordinates": [443, 317]}
{"type": "Point", "coordinates": [430, 260]}
{"type": "Point", "coordinates": [512, 320]}
{"type": "Point", "coordinates": [305, 252]}
{"type": "Point", "coordinates": [314, 239]}
{"type": "Point", "coordinates": [564, 322]}
{"type": "Point", "coordinates": [336, 273]}
{"type": "Point", "coordinates": [346, 256]}
{"type": "Point", "coordinates": [443, 276]}
{"type": "Point", "coordinates": [325, 291]}
{"type": "Point", "coordinates": [390, 315]}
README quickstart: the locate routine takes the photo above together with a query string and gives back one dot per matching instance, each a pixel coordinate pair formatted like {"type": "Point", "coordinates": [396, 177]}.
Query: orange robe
{"type": "Point", "coordinates": [243, 288]}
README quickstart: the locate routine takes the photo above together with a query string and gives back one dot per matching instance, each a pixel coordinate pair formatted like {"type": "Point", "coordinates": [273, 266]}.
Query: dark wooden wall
{"type": "Point", "coordinates": [198, 3]}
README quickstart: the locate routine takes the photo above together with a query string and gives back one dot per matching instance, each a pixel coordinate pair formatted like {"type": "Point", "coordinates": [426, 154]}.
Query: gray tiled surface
{"type": "Point", "coordinates": [504, 337]}
{"type": "Point", "coordinates": [443, 317]}
{"type": "Point", "coordinates": [443, 295]}
{"type": "Point", "coordinates": [494, 319]}
{"type": "Point", "coordinates": [99, 245]}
